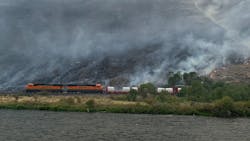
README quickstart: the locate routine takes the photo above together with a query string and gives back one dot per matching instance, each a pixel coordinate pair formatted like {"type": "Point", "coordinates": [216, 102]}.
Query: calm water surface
{"type": "Point", "coordinates": [67, 126]}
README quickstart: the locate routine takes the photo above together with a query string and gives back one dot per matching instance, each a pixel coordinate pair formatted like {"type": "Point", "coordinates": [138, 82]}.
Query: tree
{"type": "Point", "coordinates": [174, 79]}
{"type": "Point", "coordinates": [198, 92]}
{"type": "Point", "coordinates": [190, 77]}
{"type": "Point", "coordinates": [146, 89]}
{"type": "Point", "coordinates": [132, 95]}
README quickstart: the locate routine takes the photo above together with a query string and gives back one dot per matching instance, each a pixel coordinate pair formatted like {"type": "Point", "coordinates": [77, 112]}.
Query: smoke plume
{"type": "Point", "coordinates": [88, 41]}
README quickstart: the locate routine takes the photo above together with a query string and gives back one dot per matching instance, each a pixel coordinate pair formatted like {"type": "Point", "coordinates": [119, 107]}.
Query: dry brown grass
{"type": "Point", "coordinates": [99, 100]}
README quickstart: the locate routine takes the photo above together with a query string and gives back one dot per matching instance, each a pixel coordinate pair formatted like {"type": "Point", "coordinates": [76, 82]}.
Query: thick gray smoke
{"type": "Point", "coordinates": [64, 41]}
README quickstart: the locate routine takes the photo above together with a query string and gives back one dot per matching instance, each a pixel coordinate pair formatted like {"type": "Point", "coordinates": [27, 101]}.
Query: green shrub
{"type": "Point", "coordinates": [184, 92]}
{"type": "Point", "coordinates": [224, 107]}
{"type": "Point", "coordinates": [162, 97]}
{"type": "Point", "coordinates": [147, 89]}
{"type": "Point", "coordinates": [150, 100]}
{"type": "Point", "coordinates": [67, 101]}
{"type": "Point", "coordinates": [119, 97]}
{"type": "Point", "coordinates": [132, 95]}
{"type": "Point", "coordinates": [90, 103]}
{"type": "Point", "coordinates": [242, 108]}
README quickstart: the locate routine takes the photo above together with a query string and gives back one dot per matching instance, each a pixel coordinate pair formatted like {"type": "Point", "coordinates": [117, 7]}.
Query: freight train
{"type": "Point", "coordinates": [59, 88]}
{"type": "Point", "coordinates": [90, 89]}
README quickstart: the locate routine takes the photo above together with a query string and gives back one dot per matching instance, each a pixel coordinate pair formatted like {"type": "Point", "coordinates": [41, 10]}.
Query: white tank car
{"type": "Point", "coordinates": [110, 89]}
{"type": "Point", "coordinates": [170, 90]}
{"type": "Point", "coordinates": [135, 88]}
{"type": "Point", "coordinates": [179, 89]}
{"type": "Point", "coordinates": [159, 90]}
{"type": "Point", "coordinates": [125, 89]}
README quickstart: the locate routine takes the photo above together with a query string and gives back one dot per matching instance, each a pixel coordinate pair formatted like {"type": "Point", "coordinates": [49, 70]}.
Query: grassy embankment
{"type": "Point", "coordinates": [200, 96]}
{"type": "Point", "coordinates": [158, 104]}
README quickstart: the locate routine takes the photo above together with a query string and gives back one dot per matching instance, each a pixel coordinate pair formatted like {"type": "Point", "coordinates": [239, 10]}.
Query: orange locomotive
{"type": "Point", "coordinates": [43, 87]}
{"type": "Point", "coordinates": [59, 88]}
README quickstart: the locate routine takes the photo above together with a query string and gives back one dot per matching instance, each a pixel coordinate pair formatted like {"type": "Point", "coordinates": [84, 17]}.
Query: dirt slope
{"type": "Point", "coordinates": [236, 73]}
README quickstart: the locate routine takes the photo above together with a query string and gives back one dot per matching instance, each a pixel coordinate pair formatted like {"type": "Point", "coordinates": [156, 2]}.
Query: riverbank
{"type": "Point", "coordinates": [225, 107]}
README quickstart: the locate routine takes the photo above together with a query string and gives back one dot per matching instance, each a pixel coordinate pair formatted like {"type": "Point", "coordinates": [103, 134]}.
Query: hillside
{"type": "Point", "coordinates": [237, 73]}
{"type": "Point", "coordinates": [117, 41]}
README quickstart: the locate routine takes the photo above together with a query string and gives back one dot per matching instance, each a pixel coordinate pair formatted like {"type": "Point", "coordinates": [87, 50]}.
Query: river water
{"type": "Point", "coordinates": [29, 125]}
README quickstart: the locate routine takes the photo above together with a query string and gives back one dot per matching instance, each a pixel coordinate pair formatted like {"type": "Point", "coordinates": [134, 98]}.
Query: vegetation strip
{"type": "Point", "coordinates": [161, 104]}
{"type": "Point", "coordinates": [199, 96]}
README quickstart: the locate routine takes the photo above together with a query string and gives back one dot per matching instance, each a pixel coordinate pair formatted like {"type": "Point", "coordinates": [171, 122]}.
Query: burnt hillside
{"type": "Point", "coordinates": [89, 41]}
